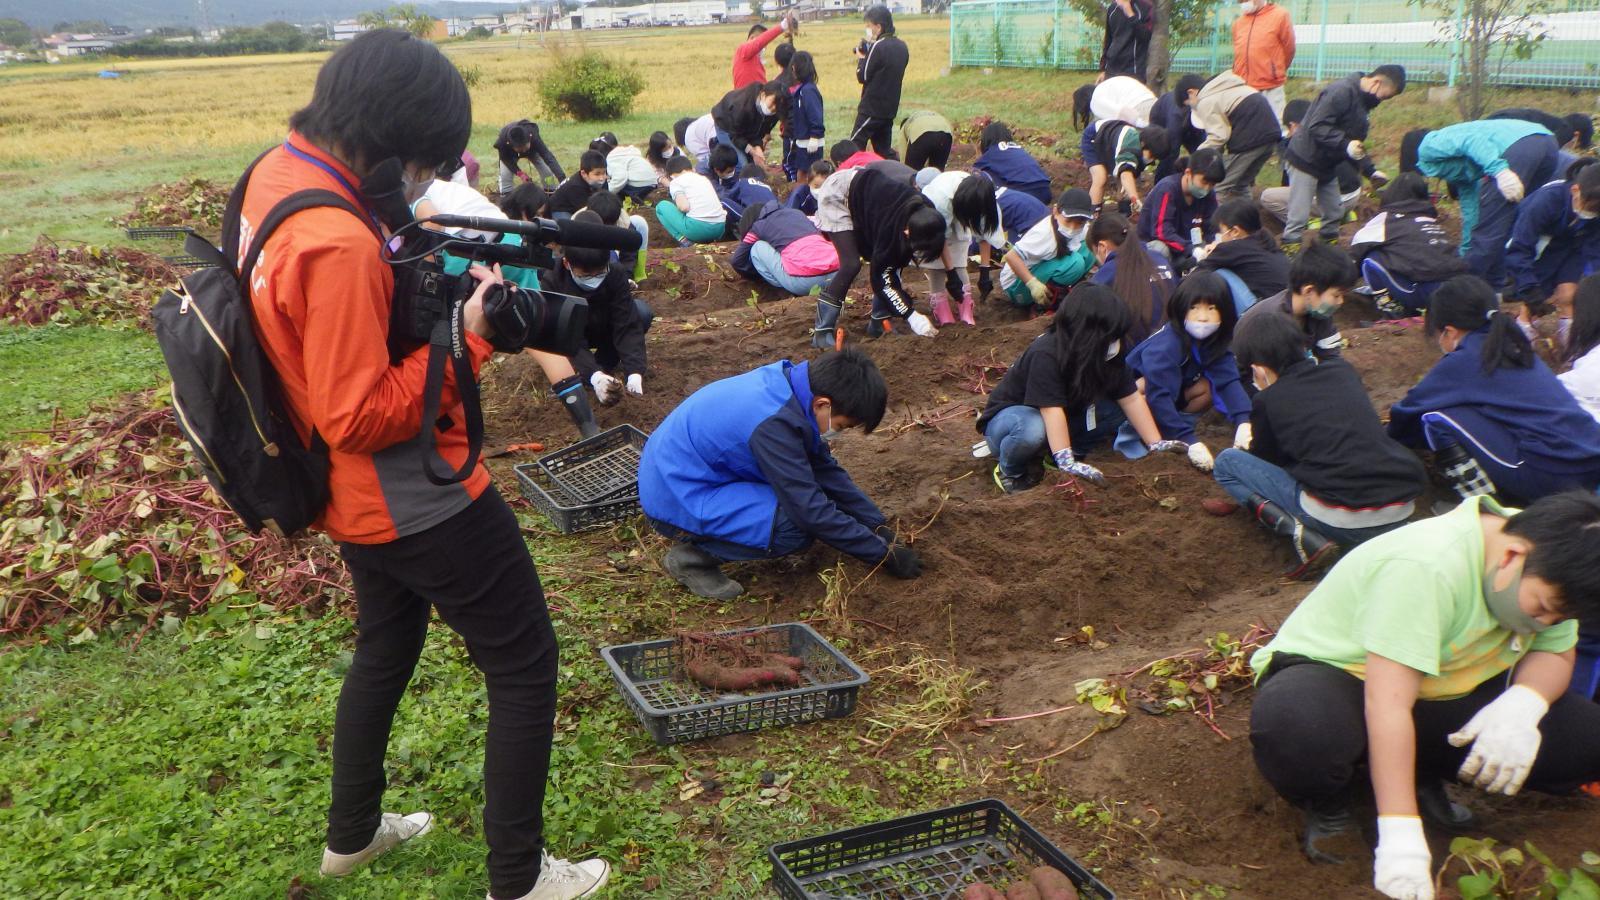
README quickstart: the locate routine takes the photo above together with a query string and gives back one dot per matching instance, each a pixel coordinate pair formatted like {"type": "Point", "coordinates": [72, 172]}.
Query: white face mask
{"type": "Point", "coordinates": [766, 107]}
{"type": "Point", "coordinates": [1585, 215]}
{"type": "Point", "coordinates": [1113, 350]}
{"type": "Point", "coordinates": [830, 432]}
{"type": "Point", "coordinates": [1068, 232]}
{"type": "Point", "coordinates": [868, 32]}
{"type": "Point", "coordinates": [1201, 330]}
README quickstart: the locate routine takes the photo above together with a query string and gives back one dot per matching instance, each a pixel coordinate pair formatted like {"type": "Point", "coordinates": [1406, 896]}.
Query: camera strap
{"type": "Point", "coordinates": [449, 339]}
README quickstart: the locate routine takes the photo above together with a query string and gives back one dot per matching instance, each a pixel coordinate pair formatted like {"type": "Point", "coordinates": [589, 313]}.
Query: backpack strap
{"type": "Point", "coordinates": [230, 218]}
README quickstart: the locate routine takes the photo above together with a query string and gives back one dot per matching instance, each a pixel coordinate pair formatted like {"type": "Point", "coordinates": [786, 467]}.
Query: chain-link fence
{"type": "Point", "coordinates": [1332, 37]}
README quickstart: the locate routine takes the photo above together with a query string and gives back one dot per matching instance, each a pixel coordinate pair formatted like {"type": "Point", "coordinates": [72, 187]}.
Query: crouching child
{"type": "Point", "coordinates": [741, 471]}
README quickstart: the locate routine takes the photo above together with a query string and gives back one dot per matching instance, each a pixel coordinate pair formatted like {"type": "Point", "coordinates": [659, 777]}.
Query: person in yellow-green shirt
{"type": "Point", "coordinates": [1441, 649]}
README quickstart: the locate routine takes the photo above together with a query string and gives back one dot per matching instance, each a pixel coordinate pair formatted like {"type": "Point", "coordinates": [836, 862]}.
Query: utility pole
{"type": "Point", "coordinates": [205, 18]}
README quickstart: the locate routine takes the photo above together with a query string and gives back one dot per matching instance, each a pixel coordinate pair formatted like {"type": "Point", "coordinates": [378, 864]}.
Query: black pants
{"type": "Point", "coordinates": [475, 569]}
{"type": "Point", "coordinates": [932, 149]}
{"type": "Point", "coordinates": [849, 265]}
{"type": "Point", "coordinates": [878, 131]}
{"type": "Point", "coordinates": [1308, 731]}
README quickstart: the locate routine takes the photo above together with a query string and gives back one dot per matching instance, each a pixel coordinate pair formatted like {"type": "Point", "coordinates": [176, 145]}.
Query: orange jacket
{"type": "Point", "coordinates": [321, 292]}
{"type": "Point", "coordinates": [1263, 47]}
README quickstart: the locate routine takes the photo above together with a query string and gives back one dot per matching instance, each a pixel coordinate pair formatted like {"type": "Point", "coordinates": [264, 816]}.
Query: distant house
{"type": "Point", "coordinates": [86, 47]}
{"type": "Point", "coordinates": [346, 29]}
{"type": "Point", "coordinates": [683, 12]}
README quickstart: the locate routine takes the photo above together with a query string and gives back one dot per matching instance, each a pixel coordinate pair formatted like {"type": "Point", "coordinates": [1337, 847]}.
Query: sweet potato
{"type": "Point", "coordinates": [982, 892]}
{"type": "Point", "coordinates": [729, 678]}
{"type": "Point", "coordinates": [1022, 890]}
{"type": "Point", "coordinates": [1053, 884]}
{"type": "Point", "coordinates": [779, 659]}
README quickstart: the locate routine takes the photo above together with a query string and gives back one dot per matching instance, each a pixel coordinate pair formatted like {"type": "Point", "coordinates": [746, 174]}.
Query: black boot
{"type": "Point", "coordinates": [1312, 549]}
{"type": "Point", "coordinates": [823, 333]}
{"type": "Point", "coordinates": [572, 396]}
{"type": "Point", "coordinates": [1438, 810]}
{"type": "Point", "coordinates": [701, 573]}
{"type": "Point", "coordinates": [1325, 820]}
{"type": "Point", "coordinates": [1459, 470]}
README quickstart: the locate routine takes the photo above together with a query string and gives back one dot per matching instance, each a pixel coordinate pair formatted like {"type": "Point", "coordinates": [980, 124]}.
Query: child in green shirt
{"type": "Point", "coordinates": [1441, 648]}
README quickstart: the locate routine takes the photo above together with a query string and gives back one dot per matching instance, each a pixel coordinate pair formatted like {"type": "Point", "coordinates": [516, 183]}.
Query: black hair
{"type": "Point", "coordinates": [780, 97]}
{"type": "Point", "coordinates": [1410, 147]}
{"type": "Point", "coordinates": [1273, 341]}
{"type": "Point", "coordinates": [679, 164]}
{"type": "Point", "coordinates": [384, 95]}
{"type": "Point", "coordinates": [823, 167]}
{"type": "Point", "coordinates": [1468, 303]}
{"type": "Point", "coordinates": [605, 143]}
{"type": "Point", "coordinates": [803, 68]}
{"type": "Point", "coordinates": [994, 133]}
{"type": "Point", "coordinates": [1576, 168]}
{"type": "Point", "coordinates": [747, 219]}
{"type": "Point", "coordinates": [1585, 173]}
{"type": "Point", "coordinates": [852, 381]}
{"type": "Point", "coordinates": [879, 15]}
{"type": "Point", "coordinates": [974, 205]}
{"type": "Point", "coordinates": [1208, 287]}
{"type": "Point", "coordinates": [1394, 74]}
{"type": "Point", "coordinates": [519, 136]}
{"type": "Point", "coordinates": [591, 160]}
{"type": "Point", "coordinates": [1084, 325]}
{"type": "Point", "coordinates": [1207, 163]}
{"type": "Point", "coordinates": [755, 29]}
{"type": "Point", "coordinates": [606, 205]}
{"type": "Point", "coordinates": [680, 130]}
{"type": "Point", "coordinates": [1241, 214]}
{"type": "Point", "coordinates": [722, 157]}
{"type": "Point", "coordinates": [1407, 186]}
{"type": "Point", "coordinates": [1582, 129]}
{"type": "Point", "coordinates": [1156, 140]}
{"type": "Point", "coordinates": [753, 170]}
{"type": "Point", "coordinates": [1322, 266]}
{"type": "Point", "coordinates": [655, 152]}
{"type": "Point", "coordinates": [1564, 530]}
{"type": "Point", "coordinates": [842, 151]}
{"type": "Point", "coordinates": [589, 259]}
{"type": "Point", "coordinates": [927, 227]}
{"type": "Point", "coordinates": [784, 55]}
{"type": "Point", "coordinates": [1294, 112]}
{"type": "Point", "coordinates": [1584, 334]}
{"type": "Point", "coordinates": [1083, 106]}
{"type": "Point", "coordinates": [526, 201]}
{"type": "Point", "coordinates": [1136, 281]}
{"type": "Point", "coordinates": [1187, 83]}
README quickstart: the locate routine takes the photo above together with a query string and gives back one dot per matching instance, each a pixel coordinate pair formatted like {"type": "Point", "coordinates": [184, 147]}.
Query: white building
{"type": "Point", "coordinates": [682, 12]}
{"type": "Point", "coordinates": [85, 47]}
{"type": "Point", "coordinates": [346, 29]}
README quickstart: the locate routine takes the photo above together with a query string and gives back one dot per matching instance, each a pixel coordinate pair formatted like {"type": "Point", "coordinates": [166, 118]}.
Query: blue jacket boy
{"type": "Point", "coordinates": [1013, 167]}
{"type": "Point", "coordinates": [1167, 369]}
{"type": "Point", "coordinates": [1171, 213]}
{"type": "Point", "coordinates": [1550, 244]}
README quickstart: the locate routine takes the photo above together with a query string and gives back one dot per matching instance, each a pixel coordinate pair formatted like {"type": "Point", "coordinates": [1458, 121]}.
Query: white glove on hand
{"type": "Point", "coordinates": [1403, 867]}
{"type": "Point", "coordinates": [1505, 739]}
{"type": "Point", "coordinates": [1355, 150]}
{"type": "Point", "coordinates": [1200, 253]}
{"type": "Point", "coordinates": [921, 325]}
{"type": "Point", "coordinates": [1242, 436]}
{"type": "Point", "coordinates": [636, 384]}
{"type": "Point", "coordinates": [1040, 291]}
{"type": "Point", "coordinates": [606, 389]}
{"type": "Point", "coordinates": [1200, 457]}
{"type": "Point", "coordinates": [1066, 463]}
{"type": "Point", "coordinates": [1510, 185]}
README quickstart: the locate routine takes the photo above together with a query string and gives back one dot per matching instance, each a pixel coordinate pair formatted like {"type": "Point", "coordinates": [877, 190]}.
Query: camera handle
{"type": "Point", "coordinates": [449, 339]}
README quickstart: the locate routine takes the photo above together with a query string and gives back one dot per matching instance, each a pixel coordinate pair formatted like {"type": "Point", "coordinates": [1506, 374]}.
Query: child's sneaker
{"type": "Point", "coordinates": [563, 880]}
{"type": "Point", "coordinates": [393, 830]}
{"type": "Point", "coordinates": [1015, 484]}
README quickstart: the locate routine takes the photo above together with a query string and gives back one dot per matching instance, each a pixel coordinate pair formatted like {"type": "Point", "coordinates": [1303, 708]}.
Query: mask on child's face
{"type": "Point", "coordinates": [587, 282]}
{"type": "Point", "coordinates": [868, 32]}
{"type": "Point", "coordinates": [1504, 606]}
{"type": "Point", "coordinates": [767, 107]}
{"type": "Point", "coordinates": [1197, 191]}
{"type": "Point", "coordinates": [1201, 330]}
{"type": "Point", "coordinates": [1070, 230]}
{"type": "Point", "coordinates": [1325, 305]}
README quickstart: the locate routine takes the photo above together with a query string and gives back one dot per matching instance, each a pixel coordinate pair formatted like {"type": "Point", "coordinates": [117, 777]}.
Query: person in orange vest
{"type": "Point", "coordinates": [1263, 49]}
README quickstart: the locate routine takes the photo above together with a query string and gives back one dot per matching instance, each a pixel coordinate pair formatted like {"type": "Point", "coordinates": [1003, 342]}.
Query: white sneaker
{"type": "Point", "coordinates": [562, 880]}
{"type": "Point", "coordinates": [393, 830]}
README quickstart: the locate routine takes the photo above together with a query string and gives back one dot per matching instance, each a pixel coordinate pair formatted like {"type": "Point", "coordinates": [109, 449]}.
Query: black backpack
{"type": "Point", "coordinates": [226, 396]}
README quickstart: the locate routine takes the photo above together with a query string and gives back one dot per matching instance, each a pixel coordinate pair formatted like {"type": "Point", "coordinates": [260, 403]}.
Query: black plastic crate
{"type": "Point", "coordinates": [566, 512]}
{"type": "Point", "coordinates": [598, 468]}
{"type": "Point", "coordinates": [674, 709]}
{"type": "Point", "coordinates": [929, 856]}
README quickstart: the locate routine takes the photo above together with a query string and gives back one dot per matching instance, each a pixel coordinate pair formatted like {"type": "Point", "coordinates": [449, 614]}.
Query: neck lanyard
{"type": "Point", "coordinates": [338, 176]}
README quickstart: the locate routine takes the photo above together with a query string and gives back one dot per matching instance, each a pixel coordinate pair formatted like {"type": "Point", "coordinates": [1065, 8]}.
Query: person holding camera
{"type": "Point", "coordinates": [322, 296]}
{"type": "Point", "coordinates": [880, 67]}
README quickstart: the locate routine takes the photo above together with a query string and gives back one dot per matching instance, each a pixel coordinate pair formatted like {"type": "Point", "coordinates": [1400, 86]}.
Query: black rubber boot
{"type": "Point", "coordinates": [1438, 810]}
{"type": "Point", "coordinates": [1312, 549]}
{"type": "Point", "coordinates": [1325, 820]}
{"type": "Point", "coordinates": [572, 396]}
{"type": "Point", "coordinates": [823, 333]}
{"type": "Point", "coordinates": [877, 328]}
{"type": "Point", "coordinates": [701, 573]}
{"type": "Point", "coordinates": [1456, 467]}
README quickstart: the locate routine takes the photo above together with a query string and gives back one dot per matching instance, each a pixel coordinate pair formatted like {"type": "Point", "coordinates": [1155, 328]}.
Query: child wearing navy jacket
{"type": "Point", "coordinates": [1009, 165]}
{"type": "Point", "coordinates": [1404, 254]}
{"type": "Point", "coordinates": [1496, 418]}
{"type": "Point", "coordinates": [1314, 466]}
{"type": "Point", "coordinates": [1186, 367]}
{"type": "Point", "coordinates": [806, 125]}
{"type": "Point", "coordinates": [1556, 240]}
{"type": "Point", "coordinates": [1178, 213]}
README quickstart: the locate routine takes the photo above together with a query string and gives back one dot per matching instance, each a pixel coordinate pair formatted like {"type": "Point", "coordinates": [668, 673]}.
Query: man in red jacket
{"type": "Point", "coordinates": [321, 295]}
{"type": "Point", "coordinates": [749, 64]}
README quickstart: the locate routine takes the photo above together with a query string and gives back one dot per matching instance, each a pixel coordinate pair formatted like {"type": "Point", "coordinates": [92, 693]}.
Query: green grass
{"type": "Point", "coordinates": [52, 368]}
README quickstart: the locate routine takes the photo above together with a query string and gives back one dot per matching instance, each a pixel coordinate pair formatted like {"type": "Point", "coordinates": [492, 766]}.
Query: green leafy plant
{"type": "Point", "coordinates": [80, 284]}
{"type": "Point", "coordinates": [471, 75]}
{"type": "Point", "coordinates": [589, 86]}
{"type": "Point", "coordinates": [195, 203]}
{"type": "Point", "coordinates": [1496, 872]}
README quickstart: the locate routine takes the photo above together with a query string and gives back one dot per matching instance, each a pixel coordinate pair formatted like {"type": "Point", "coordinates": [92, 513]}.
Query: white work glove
{"type": "Point", "coordinates": [921, 325]}
{"type": "Point", "coordinates": [1200, 457]}
{"type": "Point", "coordinates": [1510, 185]}
{"type": "Point", "coordinates": [1505, 739]}
{"type": "Point", "coordinates": [1242, 436]}
{"type": "Point", "coordinates": [636, 384]}
{"type": "Point", "coordinates": [1040, 291]}
{"type": "Point", "coordinates": [1355, 150]}
{"type": "Point", "coordinates": [1403, 867]}
{"type": "Point", "coordinates": [1066, 463]}
{"type": "Point", "coordinates": [606, 389]}
{"type": "Point", "coordinates": [1200, 253]}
